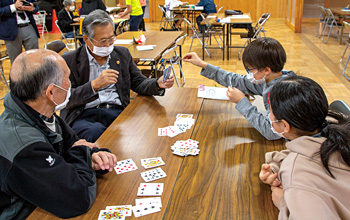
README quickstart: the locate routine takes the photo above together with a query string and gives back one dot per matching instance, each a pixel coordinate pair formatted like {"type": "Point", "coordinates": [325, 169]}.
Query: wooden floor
{"type": "Point", "coordinates": [306, 55]}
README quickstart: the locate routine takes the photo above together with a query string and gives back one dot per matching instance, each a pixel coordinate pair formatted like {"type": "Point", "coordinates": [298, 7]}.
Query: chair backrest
{"type": "Point", "coordinates": [330, 16]}
{"type": "Point", "coordinates": [220, 9]}
{"type": "Point", "coordinates": [180, 41]}
{"type": "Point", "coordinates": [323, 14]}
{"type": "Point", "coordinates": [340, 106]}
{"type": "Point", "coordinates": [40, 17]}
{"type": "Point", "coordinates": [169, 53]}
{"type": "Point", "coordinates": [162, 9]}
{"type": "Point", "coordinates": [56, 46]}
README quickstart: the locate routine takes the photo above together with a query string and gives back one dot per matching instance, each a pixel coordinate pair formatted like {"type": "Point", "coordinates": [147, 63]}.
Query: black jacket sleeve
{"type": "Point", "coordinates": [62, 185]}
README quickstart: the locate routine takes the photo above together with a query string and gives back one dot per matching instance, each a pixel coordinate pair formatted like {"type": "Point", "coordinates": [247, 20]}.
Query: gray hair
{"type": "Point", "coordinates": [33, 81]}
{"type": "Point", "coordinates": [68, 3]}
{"type": "Point", "coordinates": [97, 17]}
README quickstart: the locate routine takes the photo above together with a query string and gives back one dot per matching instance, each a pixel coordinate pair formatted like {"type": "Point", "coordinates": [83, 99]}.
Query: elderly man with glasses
{"type": "Point", "coordinates": [102, 75]}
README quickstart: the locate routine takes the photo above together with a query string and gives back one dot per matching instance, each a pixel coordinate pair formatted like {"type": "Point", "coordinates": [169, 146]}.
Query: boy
{"type": "Point", "coordinates": [263, 59]}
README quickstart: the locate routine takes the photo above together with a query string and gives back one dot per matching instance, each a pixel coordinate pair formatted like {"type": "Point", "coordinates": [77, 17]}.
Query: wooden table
{"type": "Point", "coordinates": [190, 12]}
{"type": "Point", "coordinates": [162, 39]}
{"type": "Point", "coordinates": [342, 14]}
{"type": "Point", "coordinates": [211, 21]}
{"type": "Point", "coordinates": [220, 183]}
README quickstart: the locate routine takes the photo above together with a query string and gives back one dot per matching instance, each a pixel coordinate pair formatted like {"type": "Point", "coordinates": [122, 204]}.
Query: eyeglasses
{"type": "Point", "coordinates": [249, 70]}
{"type": "Point", "coordinates": [104, 41]}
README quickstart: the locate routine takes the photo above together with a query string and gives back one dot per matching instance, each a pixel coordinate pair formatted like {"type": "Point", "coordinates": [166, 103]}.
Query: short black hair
{"type": "Point", "coordinates": [264, 52]}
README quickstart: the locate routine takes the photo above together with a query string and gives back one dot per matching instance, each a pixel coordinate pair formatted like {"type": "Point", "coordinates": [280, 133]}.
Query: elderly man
{"type": "Point", "coordinates": [42, 162]}
{"type": "Point", "coordinates": [102, 75]}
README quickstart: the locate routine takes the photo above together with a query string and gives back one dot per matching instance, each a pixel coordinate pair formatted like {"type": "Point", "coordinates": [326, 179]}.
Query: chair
{"type": "Point", "coordinates": [70, 42]}
{"type": "Point", "coordinates": [259, 27]}
{"type": "Point", "coordinates": [179, 42]}
{"type": "Point", "coordinates": [55, 45]}
{"type": "Point", "coordinates": [347, 26]}
{"type": "Point", "coordinates": [3, 56]}
{"type": "Point", "coordinates": [166, 20]}
{"type": "Point", "coordinates": [340, 106]}
{"type": "Point", "coordinates": [170, 57]}
{"type": "Point", "coordinates": [321, 20]}
{"type": "Point", "coordinates": [121, 27]}
{"type": "Point", "coordinates": [40, 21]}
{"type": "Point", "coordinates": [218, 11]}
{"type": "Point", "coordinates": [195, 35]}
{"type": "Point", "coordinates": [330, 23]}
{"type": "Point", "coordinates": [214, 30]}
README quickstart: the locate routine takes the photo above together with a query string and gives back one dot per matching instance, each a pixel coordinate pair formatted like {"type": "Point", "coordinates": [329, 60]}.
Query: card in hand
{"type": "Point", "coordinates": [166, 74]}
{"type": "Point", "coordinates": [152, 162]}
{"type": "Point", "coordinates": [127, 209]}
{"type": "Point", "coordinates": [125, 166]}
{"type": "Point", "coordinates": [154, 174]}
{"type": "Point", "coordinates": [105, 214]}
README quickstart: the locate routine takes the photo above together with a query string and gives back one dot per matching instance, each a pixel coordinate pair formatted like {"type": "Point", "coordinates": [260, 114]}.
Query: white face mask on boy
{"type": "Point", "coordinates": [250, 77]}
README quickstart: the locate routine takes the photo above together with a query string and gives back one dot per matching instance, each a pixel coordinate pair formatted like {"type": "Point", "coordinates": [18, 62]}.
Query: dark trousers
{"type": "Point", "coordinates": [134, 22]}
{"type": "Point", "coordinates": [93, 122]}
{"type": "Point", "coordinates": [142, 23]}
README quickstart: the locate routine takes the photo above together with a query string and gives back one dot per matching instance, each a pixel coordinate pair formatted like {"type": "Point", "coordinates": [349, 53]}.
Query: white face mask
{"type": "Point", "coordinates": [273, 129]}
{"type": "Point", "coordinates": [71, 8]}
{"type": "Point", "coordinates": [250, 77]}
{"type": "Point", "coordinates": [65, 102]}
{"type": "Point", "coordinates": [102, 51]}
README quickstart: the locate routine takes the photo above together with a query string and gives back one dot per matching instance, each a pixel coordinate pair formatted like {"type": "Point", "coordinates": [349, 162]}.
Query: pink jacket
{"type": "Point", "coordinates": [309, 191]}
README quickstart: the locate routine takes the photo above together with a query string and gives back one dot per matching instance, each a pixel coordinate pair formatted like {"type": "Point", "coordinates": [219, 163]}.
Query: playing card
{"type": "Point", "coordinates": [154, 174]}
{"type": "Point", "coordinates": [163, 131]}
{"type": "Point", "coordinates": [184, 116]}
{"type": "Point", "coordinates": [174, 130]}
{"type": "Point", "coordinates": [145, 210]}
{"type": "Point", "coordinates": [184, 148]}
{"type": "Point", "coordinates": [104, 214]}
{"type": "Point", "coordinates": [152, 162]}
{"type": "Point", "coordinates": [150, 189]}
{"type": "Point", "coordinates": [125, 166]}
{"type": "Point", "coordinates": [127, 209]}
{"type": "Point", "coordinates": [166, 73]}
{"type": "Point", "coordinates": [149, 201]}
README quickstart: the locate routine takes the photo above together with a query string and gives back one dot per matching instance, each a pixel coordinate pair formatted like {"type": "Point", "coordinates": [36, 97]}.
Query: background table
{"type": "Point", "coordinates": [162, 39]}
{"type": "Point", "coordinates": [220, 183]}
{"type": "Point", "coordinates": [343, 15]}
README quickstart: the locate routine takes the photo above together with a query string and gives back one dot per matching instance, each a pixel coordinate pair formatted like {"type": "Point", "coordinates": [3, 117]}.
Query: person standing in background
{"type": "Point", "coordinates": [88, 6]}
{"type": "Point", "coordinates": [17, 26]}
{"type": "Point", "coordinates": [142, 23]}
{"type": "Point", "coordinates": [133, 7]}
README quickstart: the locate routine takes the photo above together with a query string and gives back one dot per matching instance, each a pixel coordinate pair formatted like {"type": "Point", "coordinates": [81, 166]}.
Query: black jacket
{"type": "Point", "coordinates": [88, 6]}
{"type": "Point", "coordinates": [130, 77]}
{"type": "Point", "coordinates": [39, 167]}
{"type": "Point", "coordinates": [64, 21]}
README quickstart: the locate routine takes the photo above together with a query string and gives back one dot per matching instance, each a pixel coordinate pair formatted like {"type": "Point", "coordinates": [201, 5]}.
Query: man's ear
{"type": "Point", "coordinates": [49, 92]}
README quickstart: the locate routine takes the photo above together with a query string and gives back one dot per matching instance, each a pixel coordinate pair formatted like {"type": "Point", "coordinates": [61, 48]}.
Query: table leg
{"type": "Point", "coordinates": [203, 28]}
{"type": "Point", "coordinates": [223, 42]}
{"type": "Point", "coordinates": [227, 40]}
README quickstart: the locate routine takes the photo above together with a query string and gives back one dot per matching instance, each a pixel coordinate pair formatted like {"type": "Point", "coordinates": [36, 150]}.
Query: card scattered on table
{"type": "Point", "coordinates": [152, 162]}
{"type": "Point", "coordinates": [150, 189]}
{"type": "Point", "coordinates": [127, 209]}
{"type": "Point", "coordinates": [124, 166]}
{"type": "Point", "coordinates": [154, 174]}
{"type": "Point", "coordinates": [142, 210]}
{"type": "Point", "coordinates": [182, 123]}
{"type": "Point", "coordinates": [104, 214]}
{"type": "Point", "coordinates": [185, 148]}
{"type": "Point", "coordinates": [149, 201]}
